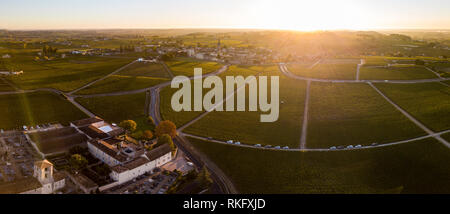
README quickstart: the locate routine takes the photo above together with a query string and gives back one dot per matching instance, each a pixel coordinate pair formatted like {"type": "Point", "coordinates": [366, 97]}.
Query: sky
{"type": "Point", "coordinates": [303, 15]}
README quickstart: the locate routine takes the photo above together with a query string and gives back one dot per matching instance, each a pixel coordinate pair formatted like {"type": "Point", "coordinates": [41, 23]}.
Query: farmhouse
{"type": "Point", "coordinates": [128, 160]}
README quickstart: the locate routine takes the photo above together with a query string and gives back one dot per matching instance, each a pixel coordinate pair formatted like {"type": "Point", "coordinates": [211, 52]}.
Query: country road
{"type": "Point", "coordinates": [358, 68]}
{"type": "Point", "coordinates": [305, 117]}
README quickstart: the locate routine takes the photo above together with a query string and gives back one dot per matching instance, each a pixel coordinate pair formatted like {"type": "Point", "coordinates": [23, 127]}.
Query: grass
{"type": "Point", "coordinates": [395, 73]}
{"type": "Point", "coordinates": [115, 109]}
{"type": "Point", "coordinates": [349, 114]}
{"type": "Point", "coordinates": [116, 83]}
{"type": "Point", "coordinates": [325, 71]}
{"type": "Point", "coordinates": [246, 126]}
{"type": "Point", "coordinates": [62, 74]}
{"type": "Point", "coordinates": [143, 69]}
{"type": "Point", "coordinates": [36, 108]}
{"type": "Point", "coordinates": [185, 66]}
{"type": "Point", "coordinates": [427, 102]}
{"type": "Point", "coordinates": [416, 167]}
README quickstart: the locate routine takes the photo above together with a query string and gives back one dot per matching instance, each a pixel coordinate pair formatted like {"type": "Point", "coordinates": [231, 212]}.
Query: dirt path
{"type": "Point", "coordinates": [358, 68]}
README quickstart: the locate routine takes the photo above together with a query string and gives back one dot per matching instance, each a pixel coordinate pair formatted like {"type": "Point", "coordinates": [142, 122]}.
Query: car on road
{"type": "Point", "coordinates": [230, 142]}
{"type": "Point", "coordinates": [277, 147]}
{"type": "Point", "coordinates": [238, 143]}
{"type": "Point", "coordinates": [25, 128]}
{"type": "Point", "coordinates": [374, 144]}
{"type": "Point", "coordinates": [258, 145]}
{"type": "Point", "coordinates": [340, 147]}
{"type": "Point", "coordinates": [190, 163]}
{"type": "Point", "coordinates": [333, 148]}
{"type": "Point", "coordinates": [350, 147]}
{"type": "Point", "coordinates": [286, 147]}
{"type": "Point", "coordinates": [209, 138]}
{"type": "Point", "coordinates": [358, 146]}
{"type": "Point", "coordinates": [268, 146]}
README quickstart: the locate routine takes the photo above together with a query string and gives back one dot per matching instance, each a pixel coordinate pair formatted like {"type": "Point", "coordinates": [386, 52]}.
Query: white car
{"type": "Point", "coordinates": [350, 147]}
{"type": "Point", "coordinates": [286, 147]}
{"type": "Point", "coordinates": [230, 142]}
{"type": "Point", "coordinates": [358, 146]}
{"type": "Point", "coordinates": [258, 145]}
{"type": "Point", "coordinates": [190, 164]}
{"type": "Point", "coordinates": [333, 148]}
{"type": "Point", "coordinates": [277, 147]}
{"type": "Point", "coordinates": [25, 128]}
{"type": "Point", "coordinates": [238, 143]}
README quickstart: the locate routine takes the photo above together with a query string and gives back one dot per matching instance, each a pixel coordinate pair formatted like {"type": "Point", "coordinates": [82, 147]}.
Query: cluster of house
{"type": "Point", "coordinates": [126, 158]}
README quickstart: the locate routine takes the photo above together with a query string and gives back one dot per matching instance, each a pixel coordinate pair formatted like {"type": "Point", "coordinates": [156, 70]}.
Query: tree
{"type": "Point", "coordinates": [204, 178]}
{"type": "Point", "coordinates": [148, 134]}
{"type": "Point", "coordinates": [128, 125]}
{"type": "Point", "coordinates": [166, 127]}
{"type": "Point", "coordinates": [165, 138]}
{"type": "Point", "coordinates": [77, 161]}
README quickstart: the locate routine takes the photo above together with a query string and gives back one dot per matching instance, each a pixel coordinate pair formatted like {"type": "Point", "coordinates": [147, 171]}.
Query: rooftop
{"type": "Point", "coordinates": [158, 152]}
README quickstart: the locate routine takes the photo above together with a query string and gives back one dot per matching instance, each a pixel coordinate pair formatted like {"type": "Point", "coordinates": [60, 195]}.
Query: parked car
{"type": "Point", "coordinates": [190, 163]}
{"type": "Point", "coordinates": [340, 147]}
{"type": "Point", "coordinates": [258, 145]}
{"type": "Point", "coordinates": [358, 146]}
{"type": "Point", "coordinates": [286, 147]}
{"type": "Point", "coordinates": [230, 142]}
{"type": "Point", "coordinates": [268, 146]}
{"type": "Point", "coordinates": [238, 143]}
{"type": "Point", "coordinates": [277, 147]}
{"type": "Point", "coordinates": [350, 147]}
{"type": "Point", "coordinates": [333, 148]}
{"type": "Point", "coordinates": [374, 144]}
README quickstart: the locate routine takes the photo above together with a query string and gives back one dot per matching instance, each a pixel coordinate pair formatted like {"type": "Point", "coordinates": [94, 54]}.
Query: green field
{"type": "Point", "coordinates": [416, 167]}
{"type": "Point", "coordinates": [36, 108]}
{"type": "Point", "coordinates": [246, 126]}
{"type": "Point", "coordinates": [116, 83]}
{"type": "Point", "coordinates": [146, 70]}
{"type": "Point", "coordinates": [115, 109]}
{"type": "Point", "coordinates": [185, 66]}
{"type": "Point", "coordinates": [427, 102]}
{"type": "Point", "coordinates": [63, 74]}
{"type": "Point", "coordinates": [349, 114]}
{"type": "Point", "coordinates": [181, 118]}
{"type": "Point", "coordinates": [325, 71]}
{"type": "Point", "coordinates": [405, 72]}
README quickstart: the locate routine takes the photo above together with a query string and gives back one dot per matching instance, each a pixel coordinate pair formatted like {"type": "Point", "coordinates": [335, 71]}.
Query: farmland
{"type": "Point", "coordinates": [185, 66]}
{"type": "Point", "coordinates": [118, 108]}
{"type": "Point", "coordinates": [398, 72]}
{"type": "Point", "coordinates": [58, 140]}
{"type": "Point", "coordinates": [325, 70]}
{"type": "Point", "coordinates": [353, 114]}
{"type": "Point", "coordinates": [284, 132]}
{"type": "Point", "coordinates": [36, 108]}
{"type": "Point", "coordinates": [5, 86]}
{"type": "Point", "coordinates": [416, 167]}
{"type": "Point", "coordinates": [428, 102]}
{"type": "Point", "coordinates": [145, 69]}
{"type": "Point", "coordinates": [115, 83]}
{"type": "Point", "coordinates": [62, 74]}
